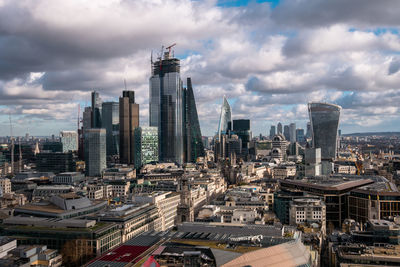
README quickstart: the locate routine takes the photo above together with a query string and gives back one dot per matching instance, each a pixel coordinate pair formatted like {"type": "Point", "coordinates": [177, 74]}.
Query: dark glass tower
{"type": "Point", "coordinates": [324, 120]}
{"type": "Point", "coordinates": [279, 128]}
{"type": "Point", "coordinates": [242, 129]}
{"type": "Point", "coordinates": [96, 110]}
{"type": "Point", "coordinates": [110, 122]}
{"type": "Point", "coordinates": [128, 121]}
{"type": "Point", "coordinates": [286, 132]}
{"type": "Point", "coordinates": [193, 144]}
{"type": "Point", "coordinates": [166, 108]}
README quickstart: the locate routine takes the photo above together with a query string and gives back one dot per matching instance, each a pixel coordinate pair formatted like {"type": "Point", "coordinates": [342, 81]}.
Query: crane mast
{"type": "Point", "coordinates": [12, 145]}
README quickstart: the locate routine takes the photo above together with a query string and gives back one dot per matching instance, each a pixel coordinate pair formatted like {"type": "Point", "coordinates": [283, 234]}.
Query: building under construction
{"type": "Point", "coordinates": [173, 111]}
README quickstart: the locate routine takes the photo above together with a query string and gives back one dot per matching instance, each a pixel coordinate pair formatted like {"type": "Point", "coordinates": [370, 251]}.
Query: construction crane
{"type": "Point", "coordinates": [169, 48]}
{"type": "Point", "coordinates": [160, 57]}
{"type": "Point", "coordinates": [12, 145]}
{"type": "Point", "coordinates": [20, 155]}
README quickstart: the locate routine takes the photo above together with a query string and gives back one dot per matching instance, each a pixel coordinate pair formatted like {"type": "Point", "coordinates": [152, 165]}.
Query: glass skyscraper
{"type": "Point", "coordinates": [96, 110]}
{"type": "Point", "coordinates": [241, 128]}
{"type": "Point", "coordinates": [324, 120]}
{"type": "Point", "coordinates": [128, 121]}
{"type": "Point", "coordinates": [279, 130]}
{"type": "Point", "coordinates": [225, 119]}
{"type": "Point", "coordinates": [272, 131]}
{"type": "Point", "coordinates": [146, 145]}
{"type": "Point", "coordinates": [110, 122]}
{"type": "Point", "coordinates": [95, 151]}
{"type": "Point", "coordinates": [193, 145]}
{"type": "Point", "coordinates": [166, 108]}
{"type": "Point", "coordinates": [292, 132]}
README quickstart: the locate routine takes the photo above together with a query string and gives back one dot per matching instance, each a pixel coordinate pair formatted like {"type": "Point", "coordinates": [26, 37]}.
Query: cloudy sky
{"type": "Point", "coordinates": [269, 58]}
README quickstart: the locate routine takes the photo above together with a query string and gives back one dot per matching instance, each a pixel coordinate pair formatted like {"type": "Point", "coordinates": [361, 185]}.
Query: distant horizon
{"type": "Point", "coordinates": [254, 135]}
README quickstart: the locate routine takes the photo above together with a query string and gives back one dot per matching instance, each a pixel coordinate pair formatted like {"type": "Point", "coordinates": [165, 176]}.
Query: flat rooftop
{"type": "Point", "coordinates": [330, 183]}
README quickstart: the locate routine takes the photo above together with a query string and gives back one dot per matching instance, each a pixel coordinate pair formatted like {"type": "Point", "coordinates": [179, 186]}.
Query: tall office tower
{"type": "Point", "coordinates": [272, 132]}
{"type": "Point", "coordinates": [279, 128]}
{"type": "Point", "coordinates": [86, 124]}
{"type": "Point", "coordinates": [96, 110]}
{"type": "Point", "coordinates": [324, 120]}
{"type": "Point", "coordinates": [95, 151]}
{"type": "Point", "coordinates": [166, 107]}
{"type": "Point", "coordinates": [128, 121]}
{"type": "Point", "coordinates": [286, 132]}
{"type": "Point", "coordinates": [242, 129]}
{"type": "Point", "coordinates": [225, 119]}
{"type": "Point", "coordinates": [87, 118]}
{"type": "Point", "coordinates": [300, 138]}
{"type": "Point", "coordinates": [69, 141]}
{"type": "Point", "coordinates": [146, 145]}
{"type": "Point", "coordinates": [308, 133]}
{"type": "Point", "coordinates": [110, 122]}
{"type": "Point", "coordinates": [292, 132]}
{"type": "Point", "coordinates": [193, 145]}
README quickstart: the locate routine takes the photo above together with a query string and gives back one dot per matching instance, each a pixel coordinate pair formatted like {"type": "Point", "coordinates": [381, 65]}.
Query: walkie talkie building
{"type": "Point", "coordinates": [324, 120]}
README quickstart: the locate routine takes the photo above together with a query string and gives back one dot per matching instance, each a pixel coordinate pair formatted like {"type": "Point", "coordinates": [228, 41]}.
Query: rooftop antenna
{"type": "Point", "coordinates": [12, 145]}
{"type": "Point", "coordinates": [125, 84]}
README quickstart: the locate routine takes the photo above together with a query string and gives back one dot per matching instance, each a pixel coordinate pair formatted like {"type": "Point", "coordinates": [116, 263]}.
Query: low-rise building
{"type": "Point", "coordinates": [6, 245]}
{"type": "Point", "coordinates": [307, 210]}
{"type": "Point", "coordinates": [106, 188]}
{"type": "Point", "coordinates": [133, 219]}
{"type": "Point", "coordinates": [77, 238]}
{"type": "Point", "coordinates": [37, 255]}
{"type": "Point", "coordinates": [120, 188]}
{"type": "Point", "coordinates": [5, 185]}
{"type": "Point", "coordinates": [62, 206]}
{"type": "Point", "coordinates": [45, 191]}
{"type": "Point", "coordinates": [245, 216]}
{"type": "Point", "coordinates": [96, 194]}
{"type": "Point", "coordinates": [284, 171]}
{"type": "Point", "coordinates": [345, 168]}
{"type": "Point", "coordinates": [69, 178]}
{"type": "Point", "coordinates": [119, 172]}
{"type": "Point", "coordinates": [166, 202]}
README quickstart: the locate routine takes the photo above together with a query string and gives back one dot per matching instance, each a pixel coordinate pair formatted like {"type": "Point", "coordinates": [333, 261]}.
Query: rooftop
{"type": "Point", "coordinates": [332, 183]}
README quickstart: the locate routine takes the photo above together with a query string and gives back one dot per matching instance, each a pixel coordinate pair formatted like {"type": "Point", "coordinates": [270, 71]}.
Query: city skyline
{"type": "Point", "coordinates": [268, 66]}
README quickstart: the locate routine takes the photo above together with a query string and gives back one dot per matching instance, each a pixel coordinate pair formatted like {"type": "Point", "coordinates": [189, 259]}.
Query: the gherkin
{"type": "Point", "coordinates": [225, 120]}
{"type": "Point", "coordinates": [193, 143]}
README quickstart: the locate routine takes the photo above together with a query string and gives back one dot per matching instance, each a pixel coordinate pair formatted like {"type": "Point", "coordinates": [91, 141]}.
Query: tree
{"type": "Point", "coordinates": [76, 252]}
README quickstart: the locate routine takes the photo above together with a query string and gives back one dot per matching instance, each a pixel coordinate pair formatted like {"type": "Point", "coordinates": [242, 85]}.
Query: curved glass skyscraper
{"type": "Point", "coordinates": [225, 120]}
{"type": "Point", "coordinates": [324, 120]}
